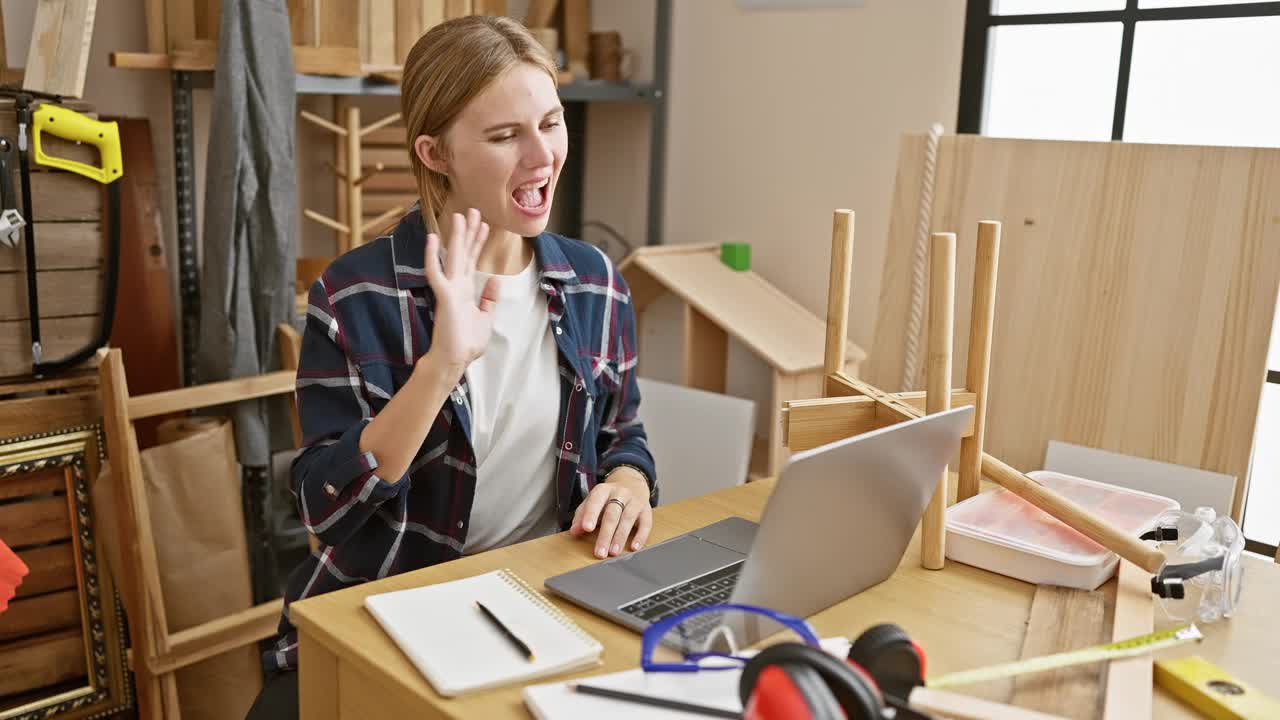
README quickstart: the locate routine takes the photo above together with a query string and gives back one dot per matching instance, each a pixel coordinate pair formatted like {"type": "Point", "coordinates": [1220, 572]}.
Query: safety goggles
{"type": "Point", "coordinates": [712, 637]}
{"type": "Point", "coordinates": [1203, 575]}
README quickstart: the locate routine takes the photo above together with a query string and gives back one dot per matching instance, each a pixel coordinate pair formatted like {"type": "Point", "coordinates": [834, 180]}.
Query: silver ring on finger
{"type": "Point", "coordinates": [622, 505]}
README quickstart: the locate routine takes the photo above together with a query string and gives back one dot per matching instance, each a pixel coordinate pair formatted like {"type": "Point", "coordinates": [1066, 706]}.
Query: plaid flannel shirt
{"type": "Point", "coordinates": [369, 317]}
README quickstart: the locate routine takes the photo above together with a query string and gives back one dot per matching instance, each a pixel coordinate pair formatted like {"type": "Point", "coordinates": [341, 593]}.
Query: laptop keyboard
{"type": "Point", "coordinates": [710, 589]}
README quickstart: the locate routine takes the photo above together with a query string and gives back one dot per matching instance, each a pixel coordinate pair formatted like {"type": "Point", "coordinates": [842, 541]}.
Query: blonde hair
{"type": "Point", "coordinates": [448, 66]}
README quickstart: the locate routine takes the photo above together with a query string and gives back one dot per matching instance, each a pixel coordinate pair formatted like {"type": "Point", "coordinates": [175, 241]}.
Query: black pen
{"type": "Point", "coordinates": [517, 642]}
{"type": "Point", "coordinates": [653, 701]}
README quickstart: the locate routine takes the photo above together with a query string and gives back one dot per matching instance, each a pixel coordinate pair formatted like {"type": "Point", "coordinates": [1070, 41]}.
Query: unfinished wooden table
{"type": "Point", "coordinates": [963, 617]}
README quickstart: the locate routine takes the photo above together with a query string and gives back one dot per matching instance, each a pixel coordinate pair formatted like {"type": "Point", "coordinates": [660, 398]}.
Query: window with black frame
{"type": "Point", "coordinates": [1204, 72]}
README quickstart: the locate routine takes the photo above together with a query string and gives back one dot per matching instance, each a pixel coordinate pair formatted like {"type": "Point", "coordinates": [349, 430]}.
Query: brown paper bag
{"type": "Point", "coordinates": [192, 485]}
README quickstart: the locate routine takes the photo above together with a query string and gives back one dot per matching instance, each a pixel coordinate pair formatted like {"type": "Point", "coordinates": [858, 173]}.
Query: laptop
{"type": "Point", "coordinates": [838, 521]}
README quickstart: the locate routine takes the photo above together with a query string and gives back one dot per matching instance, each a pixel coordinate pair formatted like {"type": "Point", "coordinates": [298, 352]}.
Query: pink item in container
{"type": "Point", "coordinates": [1001, 532]}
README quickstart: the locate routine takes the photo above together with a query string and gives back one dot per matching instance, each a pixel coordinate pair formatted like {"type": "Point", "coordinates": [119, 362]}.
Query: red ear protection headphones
{"type": "Point", "coordinates": [797, 681]}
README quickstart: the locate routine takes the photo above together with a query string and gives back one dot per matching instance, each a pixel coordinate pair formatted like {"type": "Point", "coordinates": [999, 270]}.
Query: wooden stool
{"type": "Point", "coordinates": [851, 407]}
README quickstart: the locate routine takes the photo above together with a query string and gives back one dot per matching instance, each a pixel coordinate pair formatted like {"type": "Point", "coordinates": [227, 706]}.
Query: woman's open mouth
{"type": "Point", "coordinates": [533, 198]}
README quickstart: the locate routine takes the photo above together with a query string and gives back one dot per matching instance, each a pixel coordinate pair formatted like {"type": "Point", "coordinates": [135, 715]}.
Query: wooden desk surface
{"type": "Point", "coordinates": [964, 617]}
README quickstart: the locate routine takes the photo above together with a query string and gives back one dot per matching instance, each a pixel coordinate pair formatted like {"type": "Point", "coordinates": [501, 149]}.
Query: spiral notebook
{"type": "Point", "coordinates": [445, 635]}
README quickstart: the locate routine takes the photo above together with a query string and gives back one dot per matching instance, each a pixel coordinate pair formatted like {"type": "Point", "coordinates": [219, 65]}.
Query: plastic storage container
{"type": "Point", "coordinates": [1001, 532]}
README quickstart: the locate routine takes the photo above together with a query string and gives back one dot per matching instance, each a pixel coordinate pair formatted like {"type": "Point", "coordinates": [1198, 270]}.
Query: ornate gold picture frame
{"type": "Point", "coordinates": [46, 513]}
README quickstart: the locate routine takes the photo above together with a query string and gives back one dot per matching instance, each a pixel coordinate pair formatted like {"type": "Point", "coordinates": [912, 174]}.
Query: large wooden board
{"type": "Point", "coordinates": [1133, 615]}
{"type": "Point", "coordinates": [1063, 619]}
{"type": "Point", "coordinates": [148, 338]}
{"type": "Point", "coordinates": [58, 58]}
{"type": "Point", "coordinates": [1137, 289]}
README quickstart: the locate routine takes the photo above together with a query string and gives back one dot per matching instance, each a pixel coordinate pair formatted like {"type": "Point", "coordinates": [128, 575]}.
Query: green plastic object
{"type": "Point", "coordinates": [736, 256]}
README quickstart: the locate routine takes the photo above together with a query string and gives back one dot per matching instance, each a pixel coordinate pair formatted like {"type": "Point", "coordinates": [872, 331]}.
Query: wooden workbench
{"type": "Point", "coordinates": [964, 617]}
{"type": "Point", "coordinates": [720, 303]}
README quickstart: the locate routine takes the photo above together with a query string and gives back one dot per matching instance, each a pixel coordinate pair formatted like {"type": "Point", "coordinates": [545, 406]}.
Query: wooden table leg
{"type": "Point", "coordinates": [317, 680]}
{"type": "Point", "coordinates": [942, 289]}
{"type": "Point", "coordinates": [982, 322]}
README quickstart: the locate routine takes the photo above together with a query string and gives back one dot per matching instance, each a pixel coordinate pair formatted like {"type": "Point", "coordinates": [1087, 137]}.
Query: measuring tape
{"type": "Point", "coordinates": [1112, 651]}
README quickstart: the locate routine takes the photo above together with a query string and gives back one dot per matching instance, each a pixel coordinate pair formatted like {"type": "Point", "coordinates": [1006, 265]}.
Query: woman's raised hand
{"type": "Point", "coordinates": [462, 325]}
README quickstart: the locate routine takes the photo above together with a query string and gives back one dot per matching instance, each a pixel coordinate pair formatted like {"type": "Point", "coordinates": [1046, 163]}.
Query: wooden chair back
{"type": "Point", "coordinates": [157, 653]}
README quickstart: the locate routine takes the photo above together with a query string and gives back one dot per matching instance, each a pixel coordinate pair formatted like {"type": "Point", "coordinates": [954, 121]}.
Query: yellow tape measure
{"type": "Point", "coordinates": [1112, 651]}
{"type": "Point", "coordinates": [1206, 687]}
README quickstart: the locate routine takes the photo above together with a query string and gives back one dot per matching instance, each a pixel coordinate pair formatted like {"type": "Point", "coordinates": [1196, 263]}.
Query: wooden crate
{"type": "Point", "coordinates": [346, 38]}
{"type": "Point", "coordinates": [61, 640]}
{"type": "Point", "coordinates": [183, 34]}
{"type": "Point", "coordinates": [68, 211]}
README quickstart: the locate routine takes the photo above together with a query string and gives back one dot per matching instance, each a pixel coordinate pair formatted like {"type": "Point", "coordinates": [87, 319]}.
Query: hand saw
{"type": "Point", "coordinates": [70, 125]}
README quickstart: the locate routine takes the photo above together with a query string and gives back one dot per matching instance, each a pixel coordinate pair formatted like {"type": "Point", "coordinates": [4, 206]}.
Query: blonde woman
{"type": "Point", "coordinates": [468, 381]}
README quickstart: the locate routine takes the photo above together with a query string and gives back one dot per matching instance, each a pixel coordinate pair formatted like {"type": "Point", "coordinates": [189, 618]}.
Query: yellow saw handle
{"type": "Point", "coordinates": [71, 125]}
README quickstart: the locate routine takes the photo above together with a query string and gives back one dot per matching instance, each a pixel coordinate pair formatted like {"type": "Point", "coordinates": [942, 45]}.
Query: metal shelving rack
{"type": "Point", "coordinates": [576, 96]}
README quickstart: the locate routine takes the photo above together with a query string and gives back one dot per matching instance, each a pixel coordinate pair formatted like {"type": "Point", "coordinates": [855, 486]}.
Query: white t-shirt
{"type": "Point", "coordinates": [515, 404]}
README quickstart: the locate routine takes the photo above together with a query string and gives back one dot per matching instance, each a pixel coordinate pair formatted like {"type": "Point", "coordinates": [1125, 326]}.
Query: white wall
{"type": "Point", "coordinates": [776, 119]}
{"type": "Point", "coordinates": [780, 117]}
